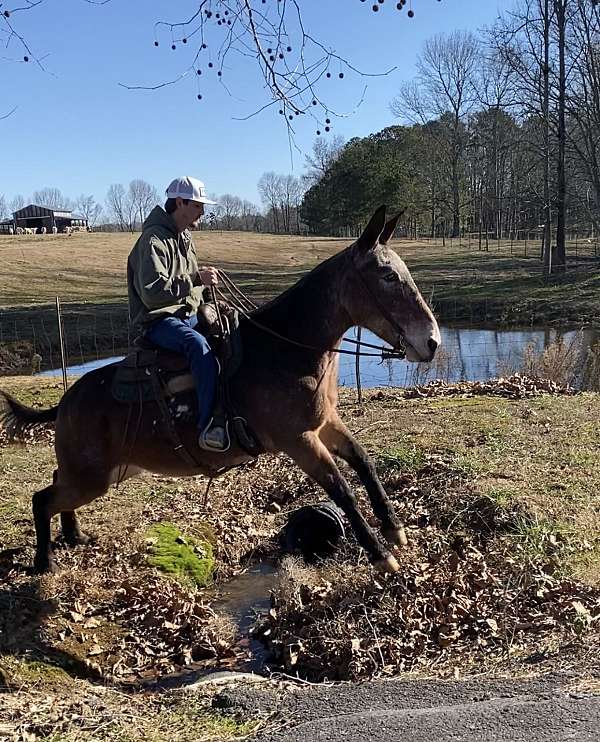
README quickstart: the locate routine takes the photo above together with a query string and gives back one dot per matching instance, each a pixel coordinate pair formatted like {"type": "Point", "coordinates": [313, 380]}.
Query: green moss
{"type": "Point", "coordinates": [185, 557]}
{"type": "Point", "coordinates": [16, 671]}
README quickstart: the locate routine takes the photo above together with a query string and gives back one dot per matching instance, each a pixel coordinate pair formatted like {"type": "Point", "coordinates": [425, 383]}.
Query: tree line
{"type": "Point", "coordinates": [499, 136]}
{"type": "Point", "coordinates": [125, 208]}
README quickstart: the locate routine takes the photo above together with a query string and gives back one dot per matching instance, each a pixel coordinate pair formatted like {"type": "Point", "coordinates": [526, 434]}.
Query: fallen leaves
{"type": "Point", "coordinates": [513, 387]}
{"type": "Point", "coordinates": [352, 627]}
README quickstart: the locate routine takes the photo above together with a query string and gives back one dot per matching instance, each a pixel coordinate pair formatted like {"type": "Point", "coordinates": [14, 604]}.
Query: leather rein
{"type": "Point", "coordinates": [244, 305]}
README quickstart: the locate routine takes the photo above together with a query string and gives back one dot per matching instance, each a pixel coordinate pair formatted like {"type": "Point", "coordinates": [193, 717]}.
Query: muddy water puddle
{"type": "Point", "coordinates": [246, 598]}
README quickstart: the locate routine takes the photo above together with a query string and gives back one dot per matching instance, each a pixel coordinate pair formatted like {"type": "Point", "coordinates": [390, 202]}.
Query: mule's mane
{"type": "Point", "coordinates": [308, 291]}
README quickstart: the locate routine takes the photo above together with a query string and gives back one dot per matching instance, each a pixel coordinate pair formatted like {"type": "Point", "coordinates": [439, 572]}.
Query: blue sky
{"type": "Point", "coordinates": [76, 129]}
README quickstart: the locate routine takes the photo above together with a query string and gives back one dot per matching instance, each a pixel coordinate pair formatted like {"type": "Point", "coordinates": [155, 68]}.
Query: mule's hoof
{"type": "Point", "coordinates": [395, 536]}
{"type": "Point", "coordinates": [389, 565]}
{"type": "Point", "coordinates": [44, 566]}
{"type": "Point", "coordinates": [77, 539]}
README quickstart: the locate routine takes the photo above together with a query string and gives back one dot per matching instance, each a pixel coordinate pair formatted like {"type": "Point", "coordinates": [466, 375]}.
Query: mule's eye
{"type": "Point", "coordinates": [390, 277]}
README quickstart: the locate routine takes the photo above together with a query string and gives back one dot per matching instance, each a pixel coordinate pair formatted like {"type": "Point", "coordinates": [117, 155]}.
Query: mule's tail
{"type": "Point", "coordinates": [18, 420]}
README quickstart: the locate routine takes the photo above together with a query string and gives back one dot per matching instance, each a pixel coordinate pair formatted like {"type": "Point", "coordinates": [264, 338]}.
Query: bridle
{"type": "Point", "coordinates": [384, 312]}
{"type": "Point", "coordinates": [244, 305]}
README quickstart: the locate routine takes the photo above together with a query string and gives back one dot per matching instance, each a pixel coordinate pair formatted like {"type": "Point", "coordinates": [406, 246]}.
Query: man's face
{"type": "Point", "coordinates": [190, 213]}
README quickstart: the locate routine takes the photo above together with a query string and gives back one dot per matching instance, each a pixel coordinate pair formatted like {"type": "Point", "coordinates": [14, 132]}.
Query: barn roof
{"type": "Point", "coordinates": [32, 210]}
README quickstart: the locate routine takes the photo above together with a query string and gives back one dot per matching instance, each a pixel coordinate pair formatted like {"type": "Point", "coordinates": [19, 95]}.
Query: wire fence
{"type": "Point", "coordinates": [468, 352]}
{"type": "Point", "coordinates": [476, 354]}
{"type": "Point", "coordinates": [580, 247]}
{"type": "Point", "coordinates": [31, 337]}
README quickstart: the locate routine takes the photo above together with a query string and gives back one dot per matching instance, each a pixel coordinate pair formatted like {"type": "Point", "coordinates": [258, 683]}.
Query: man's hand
{"type": "Point", "coordinates": [207, 276]}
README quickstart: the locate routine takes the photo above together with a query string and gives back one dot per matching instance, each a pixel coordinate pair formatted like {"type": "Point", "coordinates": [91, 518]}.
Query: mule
{"type": "Point", "coordinates": [287, 392]}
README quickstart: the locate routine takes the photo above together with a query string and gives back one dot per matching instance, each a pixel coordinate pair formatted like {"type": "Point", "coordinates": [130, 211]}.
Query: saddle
{"type": "Point", "coordinates": [150, 373]}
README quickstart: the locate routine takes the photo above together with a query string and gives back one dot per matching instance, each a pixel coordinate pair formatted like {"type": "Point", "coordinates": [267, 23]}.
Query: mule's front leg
{"type": "Point", "coordinates": [313, 458]}
{"type": "Point", "coordinates": [340, 442]}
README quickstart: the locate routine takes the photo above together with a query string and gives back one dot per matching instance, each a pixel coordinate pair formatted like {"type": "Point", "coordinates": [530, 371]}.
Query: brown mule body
{"type": "Point", "coordinates": [288, 394]}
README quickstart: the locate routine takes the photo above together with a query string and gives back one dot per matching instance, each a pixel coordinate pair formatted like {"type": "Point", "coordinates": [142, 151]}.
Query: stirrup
{"type": "Point", "coordinates": [215, 438]}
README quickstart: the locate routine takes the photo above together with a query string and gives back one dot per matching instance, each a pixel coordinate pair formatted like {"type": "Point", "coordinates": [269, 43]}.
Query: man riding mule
{"type": "Point", "coordinates": [165, 288]}
{"type": "Point", "coordinates": [285, 386]}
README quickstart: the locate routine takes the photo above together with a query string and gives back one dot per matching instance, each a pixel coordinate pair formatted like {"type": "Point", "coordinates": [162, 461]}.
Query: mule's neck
{"type": "Point", "coordinates": [311, 311]}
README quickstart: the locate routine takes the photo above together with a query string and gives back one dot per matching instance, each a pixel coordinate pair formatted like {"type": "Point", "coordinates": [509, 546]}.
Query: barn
{"type": "Point", "coordinates": [34, 217]}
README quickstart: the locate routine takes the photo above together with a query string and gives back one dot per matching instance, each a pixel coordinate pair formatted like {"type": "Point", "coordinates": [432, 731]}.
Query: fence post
{"type": "Point", "coordinates": [357, 367]}
{"type": "Point", "coordinates": [62, 344]}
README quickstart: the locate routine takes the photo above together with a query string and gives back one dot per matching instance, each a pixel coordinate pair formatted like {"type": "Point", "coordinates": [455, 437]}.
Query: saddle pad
{"type": "Point", "coordinates": [131, 385]}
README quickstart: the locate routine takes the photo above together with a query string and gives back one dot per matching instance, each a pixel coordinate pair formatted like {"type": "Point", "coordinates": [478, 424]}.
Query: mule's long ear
{"type": "Point", "coordinates": [389, 228]}
{"type": "Point", "coordinates": [370, 235]}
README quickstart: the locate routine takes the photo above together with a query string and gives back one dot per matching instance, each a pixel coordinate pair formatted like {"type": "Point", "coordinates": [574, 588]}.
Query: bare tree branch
{"type": "Point", "coordinates": [292, 63]}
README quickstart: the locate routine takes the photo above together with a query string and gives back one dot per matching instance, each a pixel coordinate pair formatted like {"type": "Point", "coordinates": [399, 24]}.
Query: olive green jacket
{"type": "Point", "coordinates": [161, 273]}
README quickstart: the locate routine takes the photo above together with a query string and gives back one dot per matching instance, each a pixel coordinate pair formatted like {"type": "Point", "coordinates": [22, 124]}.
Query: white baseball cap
{"type": "Point", "coordinates": [188, 188]}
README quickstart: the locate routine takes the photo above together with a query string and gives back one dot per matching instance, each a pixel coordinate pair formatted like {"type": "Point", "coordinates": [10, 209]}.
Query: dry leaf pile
{"type": "Point", "coordinates": [468, 590]}
{"type": "Point", "coordinates": [513, 387]}
{"type": "Point", "coordinates": [114, 623]}
{"type": "Point", "coordinates": [168, 628]}
{"type": "Point", "coordinates": [349, 625]}
{"type": "Point", "coordinates": [108, 614]}
{"type": "Point", "coordinates": [35, 715]}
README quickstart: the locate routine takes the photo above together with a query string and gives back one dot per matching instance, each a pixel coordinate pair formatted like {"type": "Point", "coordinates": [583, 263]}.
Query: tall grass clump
{"type": "Point", "coordinates": [590, 380]}
{"type": "Point", "coordinates": [561, 361]}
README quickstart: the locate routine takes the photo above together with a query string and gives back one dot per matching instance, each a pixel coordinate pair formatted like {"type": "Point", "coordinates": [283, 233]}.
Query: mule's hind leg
{"type": "Point", "coordinates": [340, 442]}
{"type": "Point", "coordinates": [72, 534]}
{"type": "Point", "coordinates": [62, 497]}
{"type": "Point", "coordinates": [312, 456]}
{"type": "Point", "coordinates": [69, 524]}
{"type": "Point", "coordinates": [42, 518]}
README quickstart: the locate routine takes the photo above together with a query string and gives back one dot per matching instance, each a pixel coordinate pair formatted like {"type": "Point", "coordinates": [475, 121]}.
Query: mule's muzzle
{"type": "Point", "coordinates": [432, 346]}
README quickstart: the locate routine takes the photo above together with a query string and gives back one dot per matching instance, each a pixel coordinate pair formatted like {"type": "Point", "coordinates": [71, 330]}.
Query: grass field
{"type": "Point", "coordinates": [91, 268]}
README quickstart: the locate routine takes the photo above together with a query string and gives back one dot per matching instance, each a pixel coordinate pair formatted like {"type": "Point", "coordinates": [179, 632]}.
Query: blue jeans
{"type": "Point", "coordinates": [179, 336]}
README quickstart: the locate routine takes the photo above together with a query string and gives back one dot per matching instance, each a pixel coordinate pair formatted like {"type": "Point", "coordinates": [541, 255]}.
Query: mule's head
{"type": "Point", "coordinates": [381, 295]}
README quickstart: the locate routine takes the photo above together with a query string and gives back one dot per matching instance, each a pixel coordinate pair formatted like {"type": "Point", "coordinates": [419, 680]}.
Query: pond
{"type": "Point", "coordinates": [467, 353]}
